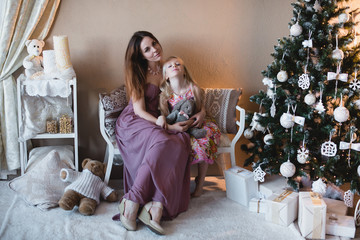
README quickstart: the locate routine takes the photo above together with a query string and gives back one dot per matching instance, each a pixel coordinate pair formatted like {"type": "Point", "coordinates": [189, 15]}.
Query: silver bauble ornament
{"type": "Point", "coordinates": [282, 76]}
{"type": "Point", "coordinates": [267, 139]}
{"type": "Point", "coordinates": [295, 30]}
{"type": "Point", "coordinates": [343, 18]}
{"type": "Point", "coordinates": [338, 54]}
{"type": "Point", "coordinates": [310, 99]}
{"type": "Point", "coordinates": [287, 169]}
{"type": "Point", "coordinates": [286, 120]}
{"type": "Point", "coordinates": [248, 133]}
{"type": "Point", "coordinates": [341, 114]}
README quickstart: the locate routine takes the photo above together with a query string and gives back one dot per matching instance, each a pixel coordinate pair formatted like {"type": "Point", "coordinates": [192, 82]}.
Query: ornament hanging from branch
{"type": "Point", "coordinates": [273, 106]}
{"type": "Point", "coordinates": [349, 198]}
{"type": "Point", "coordinates": [310, 99]}
{"type": "Point", "coordinates": [343, 77]}
{"type": "Point", "coordinates": [287, 169]}
{"type": "Point", "coordinates": [341, 113]}
{"type": "Point", "coordinates": [288, 120]}
{"type": "Point", "coordinates": [350, 146]}
{"type": "Point", "coordinates": [329, 148]}
{"type": "Point", "coordinates": [296, 29]}
{"type": "Point", "coordinates": [268, 138]}
{"type": "Point", "coordinates": [302, 153]}
{"type": "Point", "coordinates": [317, 6]}
{"type": "Point", "coordinates": [337, 54]}
{"type": "Point", "coordinates": [259, 174]}
{"type": "Point", "coordinates": [248, 133]}
{"type": "Point", "coordinates": [355, 83]}
{"type": "Point", "coordinates": [320, 106]}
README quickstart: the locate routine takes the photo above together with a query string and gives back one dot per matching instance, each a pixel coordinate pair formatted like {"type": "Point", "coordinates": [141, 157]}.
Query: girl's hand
{"type": "Point", "coordinates": [198, 119]}
{"type": "Point", "coordinates": [161, 121]}
{"type": "Point", "coordinates": [181, 126]}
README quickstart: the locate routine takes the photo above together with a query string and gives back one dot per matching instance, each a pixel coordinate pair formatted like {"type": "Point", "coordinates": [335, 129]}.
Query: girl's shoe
{"type": "Point", "coordinates": [130, 225]}
{"type": "Point", "coordinates": [146, 218]}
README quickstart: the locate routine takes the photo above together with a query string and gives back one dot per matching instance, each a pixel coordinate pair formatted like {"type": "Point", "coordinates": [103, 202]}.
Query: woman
{"type": "Point", "coordinates": [156, 155]}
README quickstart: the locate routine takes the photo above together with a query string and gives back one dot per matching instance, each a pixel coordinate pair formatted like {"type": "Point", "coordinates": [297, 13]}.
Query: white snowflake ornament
{"type": "Point", "coordinates": [302, 155]}
{"type": "Point", "coordinates": [349, 198]}
{"type": "Point", "coordinates": [319, 187]}
{"type": "Point", "coordinates": [354, 84]}
{"type": "Point", "coordinates": [304, 81]}
{"type": "Point", "coordinates": [259, 174]}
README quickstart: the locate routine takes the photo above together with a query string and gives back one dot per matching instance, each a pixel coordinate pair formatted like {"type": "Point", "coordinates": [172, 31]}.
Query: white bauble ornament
{"type": "Point", "coordinates": [358, 170]}
{"type": "Point", "coordinates": [295, 30]}
{"type": "Point", "coordinates": [343, 18]}
{"type": "Point", "coordinates": [310, 99]}
{"type": "Point", "coordinates": [282, 76]}
{"type": "Point", "coordinates": [287, 169]}
{"type": "Point", "coordinates": [267, 139]}
{"type": "Point", "coordinates": [248, 133]}
{"type": "Point", "coordinates": [338, 54]}
{"type": "Point", "coordinates": [357, 104]}
{"type": "Point", "coordinates": [341, 114]}
{"type": "Point", "coordinates": [302, 155]}
{"type": "Point", "coordinates": [319, 187]}
{"type": "Point", "coordinates": [307, 0]}
{"type": "Point", "coordinates": [286, 120]}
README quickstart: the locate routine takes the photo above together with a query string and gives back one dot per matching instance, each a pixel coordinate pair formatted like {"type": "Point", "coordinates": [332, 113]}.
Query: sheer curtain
{"type": "Point", "coordinates": [20, 20]}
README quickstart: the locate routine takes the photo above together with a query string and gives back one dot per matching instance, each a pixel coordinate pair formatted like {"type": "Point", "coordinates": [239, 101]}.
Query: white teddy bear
{"type": "Point", "coordinates": [33, 63]}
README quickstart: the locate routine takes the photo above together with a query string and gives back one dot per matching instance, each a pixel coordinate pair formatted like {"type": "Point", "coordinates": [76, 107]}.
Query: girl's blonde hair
{"type": "Point", "coordinates": [166, 90]}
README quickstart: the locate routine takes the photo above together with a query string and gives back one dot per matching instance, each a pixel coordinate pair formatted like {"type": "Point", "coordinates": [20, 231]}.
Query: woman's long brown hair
{"type": "Point", "coordinates": [136, 65]}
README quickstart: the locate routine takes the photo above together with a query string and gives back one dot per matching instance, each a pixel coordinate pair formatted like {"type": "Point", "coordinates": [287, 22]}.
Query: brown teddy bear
{"type": "Point", "coordinates": [86, 187]}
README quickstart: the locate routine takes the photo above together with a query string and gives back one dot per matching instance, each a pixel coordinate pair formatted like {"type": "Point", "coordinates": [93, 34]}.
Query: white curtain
{"type": "Point", "coordinates": [20, 20]}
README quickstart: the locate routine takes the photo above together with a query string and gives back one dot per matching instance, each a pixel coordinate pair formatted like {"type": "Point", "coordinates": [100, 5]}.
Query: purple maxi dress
{"type": "Point", "coordinates": [156, 161]}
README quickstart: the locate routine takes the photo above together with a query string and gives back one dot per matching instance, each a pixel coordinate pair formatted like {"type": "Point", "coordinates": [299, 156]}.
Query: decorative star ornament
{"type": "Point", "coordinates": [259, 174]}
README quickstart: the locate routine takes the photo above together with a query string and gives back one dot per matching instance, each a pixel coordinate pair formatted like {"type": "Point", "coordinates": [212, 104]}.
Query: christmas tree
{"type": "Point", "coordinates": [308, 122]}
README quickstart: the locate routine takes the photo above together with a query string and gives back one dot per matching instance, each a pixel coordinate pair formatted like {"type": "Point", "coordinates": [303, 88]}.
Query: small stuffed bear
{"type": "Point", "coordinates": [182, 111]}
{"type": "Point", "coordinates": [33, 62]}
{"type": "Point", "coordinates": [86, 187]}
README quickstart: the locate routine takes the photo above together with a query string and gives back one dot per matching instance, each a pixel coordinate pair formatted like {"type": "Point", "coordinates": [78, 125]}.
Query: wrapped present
{"type": "Point", "coordinates": [51, 126]}
{"type": "Point", "coordinates": [282, 207]}
{"type": "Point", "coordinates": [65, 124]}
{"type": "Point", "coordinates": [312, 215]}
{"type": "Point", "coordinates": [339, 225]}
{"type": "Point", "coordinates": [258, 205]}
{"type": "Point", "coordinates": [240, 185]}
{"type": "Point", "coordinates": [272, 184]}
{"type": "Point", "coordinates": [335, 206]}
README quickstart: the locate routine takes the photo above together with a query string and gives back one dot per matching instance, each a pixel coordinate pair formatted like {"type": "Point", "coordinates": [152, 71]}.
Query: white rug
{"type": "Point", "coordinates": [211, 216]}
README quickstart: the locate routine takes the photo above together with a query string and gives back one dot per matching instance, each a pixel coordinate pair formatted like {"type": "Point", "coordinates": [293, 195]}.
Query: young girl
{"type": "Point", "coordinates": [178, 85]}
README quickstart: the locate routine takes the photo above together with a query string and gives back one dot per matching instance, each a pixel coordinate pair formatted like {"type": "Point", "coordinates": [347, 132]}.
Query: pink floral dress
{"type": "Point", "coordinates": [203, 149]}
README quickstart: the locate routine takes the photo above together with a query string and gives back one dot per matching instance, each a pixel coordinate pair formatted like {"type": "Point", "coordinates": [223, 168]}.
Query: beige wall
{"type": "Point", "coordinates": [225, 43]}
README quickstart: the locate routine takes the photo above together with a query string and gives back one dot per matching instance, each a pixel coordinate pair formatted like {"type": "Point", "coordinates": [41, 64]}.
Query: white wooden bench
{"type": "Point", "coordinates": [220, 103]}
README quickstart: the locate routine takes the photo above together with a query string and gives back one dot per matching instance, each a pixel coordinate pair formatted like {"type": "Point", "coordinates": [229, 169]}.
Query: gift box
{"type": "Point", "coordinates": [240, 185]}
{"type": "Point", "coordinates": [335, 206]}
{"type": "Point", "coordinates": [282, 207]}
{"type": "Point", "coordinates": [339, 225]}
{"type": "Point", "coordinates": [272, 184]}
{"type": "Point", "coordinates": [312, 215]}
{"type": "Point", "coordinates": [258, 205]}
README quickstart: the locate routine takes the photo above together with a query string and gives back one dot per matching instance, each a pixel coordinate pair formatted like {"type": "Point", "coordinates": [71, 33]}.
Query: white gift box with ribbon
{"type": "Point", "coordinates": [258, 205]}
{"type": "Point", "coordinates": [272, 184]}
{"type": "Point", "coordinates": [338, 225]}
{"type": "Point", "coordinates": [240, 185]}
{"type": "Point", "coordinates": [312, 215]}
{"type": "Point", "coordinates": [282, 207]}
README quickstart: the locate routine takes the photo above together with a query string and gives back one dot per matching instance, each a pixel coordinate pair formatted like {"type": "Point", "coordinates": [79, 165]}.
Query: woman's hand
{"type": "Point", "coordinates": [198, 119]}
{"type": "Point", "coordinates": [161, 121]}
{"type": "Point", "coordinates": [180, 126]}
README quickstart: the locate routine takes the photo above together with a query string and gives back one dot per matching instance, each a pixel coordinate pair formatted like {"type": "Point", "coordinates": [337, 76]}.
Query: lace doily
{"type": "Point", "coordinates": [50, 88]}
{"type": "Point", "coordinates": [259, 174]}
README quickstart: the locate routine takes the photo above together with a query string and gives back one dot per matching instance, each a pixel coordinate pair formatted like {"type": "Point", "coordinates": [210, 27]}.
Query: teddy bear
{"type": "Point", "coordinates": [86, 187]}
{"type": "Point", "coordinates": [33, 63]}
{"type": "Point", "coordinates": [182, 111]}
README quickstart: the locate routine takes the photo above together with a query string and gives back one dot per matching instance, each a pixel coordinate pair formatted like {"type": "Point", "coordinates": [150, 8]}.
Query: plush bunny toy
{"type": "Point", "coordinates": [182, 111]}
